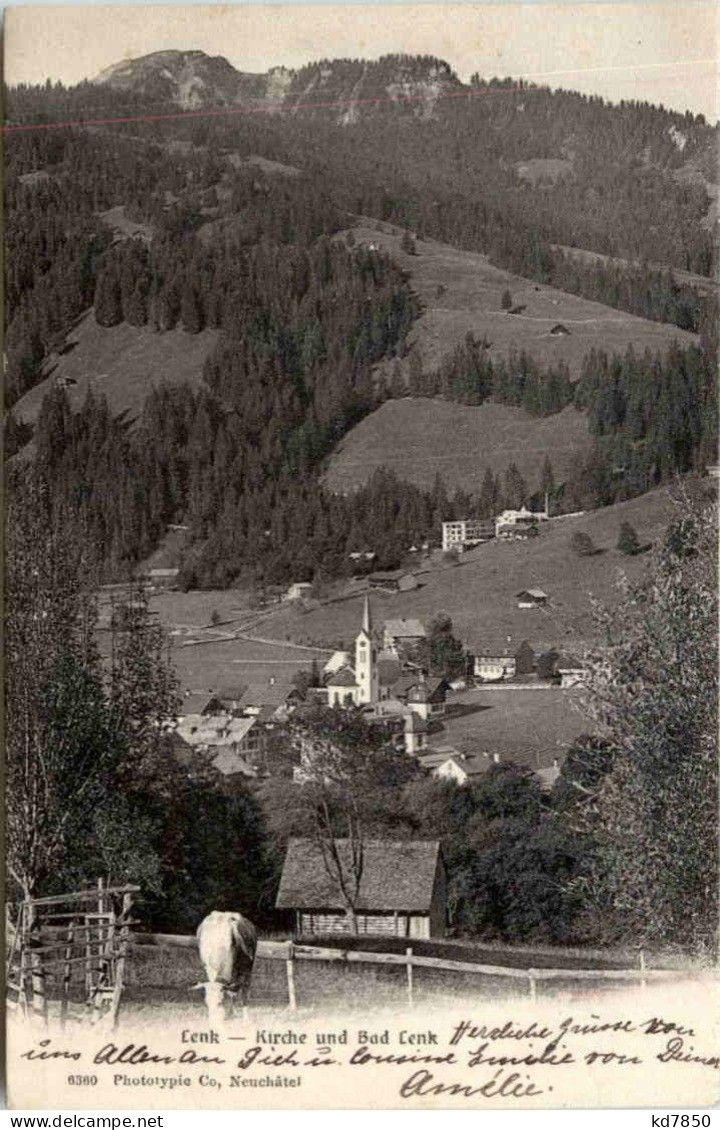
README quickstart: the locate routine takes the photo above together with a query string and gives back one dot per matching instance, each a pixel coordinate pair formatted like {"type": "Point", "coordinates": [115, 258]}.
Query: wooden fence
{"type": "Point", "coordinates": [68, 950]}
{"type": "Point", "coordinates": [291, 952]}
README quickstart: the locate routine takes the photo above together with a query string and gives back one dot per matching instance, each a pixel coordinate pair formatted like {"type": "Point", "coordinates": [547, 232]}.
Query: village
{"type": "Point", "coordinates": [501, 700]}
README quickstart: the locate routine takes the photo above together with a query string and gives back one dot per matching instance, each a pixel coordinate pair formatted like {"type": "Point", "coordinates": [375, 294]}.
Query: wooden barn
{"type": "Point", "coordinates": [402, 891]}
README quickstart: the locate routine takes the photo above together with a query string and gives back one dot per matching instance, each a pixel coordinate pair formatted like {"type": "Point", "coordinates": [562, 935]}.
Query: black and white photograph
{"type": "Point", "coordinates": [361, 556]}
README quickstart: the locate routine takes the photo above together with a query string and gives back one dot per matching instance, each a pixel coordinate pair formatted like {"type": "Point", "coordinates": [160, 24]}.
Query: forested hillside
{"type": "Point", "coordinates": [303, 319]}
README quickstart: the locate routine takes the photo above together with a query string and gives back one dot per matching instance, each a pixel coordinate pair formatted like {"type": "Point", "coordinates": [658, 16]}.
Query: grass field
{"type": "Point", "coordinates": [469, 302]}
{"type": "Point", "coordinates": [410, 437]}
{"type": "Point", "coordinates": [479, 592]}
{"type": "Point", "coordinates": [159, 979]}
{"type": "Point", "coordinates": [527, 727]}
{"type": "Point", "coordinates": [122, 363]}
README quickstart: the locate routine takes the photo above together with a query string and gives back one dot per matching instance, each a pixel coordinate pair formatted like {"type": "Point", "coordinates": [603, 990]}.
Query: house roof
{"type": "Point", "coordinates": [426, 690]}
{"type": "Point", "coordinates": [471, 764]}
{"type": "Point", "coordinates": [342, 678]}
{"type": "Point", "coordinates": [396, 875]}
{"type": "Point", "coordinates": [229, 763]}
{"type": "Point", "coordinates": [195, 703]}
{"type": "Point", "coordinates": [568, 663]}
{"type": "Point", "coordinates": [430, 759]}
{"type": "Point", "coordinates": [399, 629]}
{"type": "Point", "coordinates": [537, 594]}
{"type": "Point", "coordinates": [337, 660]}
{"type": "Point", "coordinates": [231, 694]}
{"type": "Point", "coordinates": [494, 650]}
{"type": "Point", "coordinates": [267, 694]}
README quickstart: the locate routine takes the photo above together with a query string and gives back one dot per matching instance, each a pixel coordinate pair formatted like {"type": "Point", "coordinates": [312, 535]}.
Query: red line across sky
{"type": "Point", "coordinates": [471, 92]}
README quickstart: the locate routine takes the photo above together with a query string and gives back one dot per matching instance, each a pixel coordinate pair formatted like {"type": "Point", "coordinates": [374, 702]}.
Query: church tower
{"type": "Point", "coordinates": [366, 672]}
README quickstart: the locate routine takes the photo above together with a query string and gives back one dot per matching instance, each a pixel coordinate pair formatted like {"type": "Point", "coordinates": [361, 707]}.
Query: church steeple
{"type": "Point", "coordinates": [366, 672]}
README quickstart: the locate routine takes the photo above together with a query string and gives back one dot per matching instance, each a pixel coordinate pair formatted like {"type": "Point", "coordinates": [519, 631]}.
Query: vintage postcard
{"type": "Point", "coordinates": [361, 468]}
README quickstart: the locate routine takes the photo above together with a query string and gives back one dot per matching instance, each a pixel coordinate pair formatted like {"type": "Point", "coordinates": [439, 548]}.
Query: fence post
{"type": "Point", "coordinates": [641, 958]}
{"type": "Point", "coordinates": [37, 973]}
{"type": "Point", "coordinates": [409, 957]}
{"type": "Point", "coordinates": [532, 984]}
{"type": "Point", "coordinates": [119, 964]}
{"type": "Point", "coordinates": [290, 967]}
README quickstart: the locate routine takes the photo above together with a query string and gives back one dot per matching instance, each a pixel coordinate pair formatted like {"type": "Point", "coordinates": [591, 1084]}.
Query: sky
{"type": "Point", "coordinates": [658, 52]}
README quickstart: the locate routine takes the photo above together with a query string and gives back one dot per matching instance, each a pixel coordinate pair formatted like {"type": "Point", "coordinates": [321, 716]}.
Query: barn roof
{"type": "Point", "coordinates": [396, 876]}
{"type": "Point", "coordinates": [196, 703]}
{"type": "Point", "coordinates": [400, 629]}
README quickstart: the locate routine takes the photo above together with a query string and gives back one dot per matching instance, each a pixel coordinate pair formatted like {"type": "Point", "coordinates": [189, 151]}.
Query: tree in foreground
{"type": "Point", "coordinates": [62, 741]}
{"type": "Point", "coordinates": [350, 789]}
{"type": "Point", "coordinates": [652, 821]}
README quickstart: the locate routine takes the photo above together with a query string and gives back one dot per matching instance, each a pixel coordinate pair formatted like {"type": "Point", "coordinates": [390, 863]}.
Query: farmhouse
{"type": "Point", "coordinates": [397, 581]}
{"type": "Point", "coordinates": [518, 523]}
{"type": "Point", "coordinates": [570, 670]}
{"type": "Point", "coordinates": [298, 590]}
{"type": "Point", "coordinates": [399, 634]}
{"type": "Point", "coordinates": [426, 697]}
{"type": "Point", "coordinates": [531, 598]}
{"type": "Point", "coordinates": [494, 662]}
{"type": "Point", "coordinates": [457, 767]}
{"type": "Point", "coordinates": [402, 888]}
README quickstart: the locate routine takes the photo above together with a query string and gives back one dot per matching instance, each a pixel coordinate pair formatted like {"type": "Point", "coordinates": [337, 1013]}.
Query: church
{"type": "Point", "coordinates": [386, 688]}
{"type": "Point", "coordinates": [358, 685]}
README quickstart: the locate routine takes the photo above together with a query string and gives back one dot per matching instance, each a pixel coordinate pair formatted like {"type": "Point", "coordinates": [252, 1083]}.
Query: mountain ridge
{"type": "Point", "coordinates": [194, 80]}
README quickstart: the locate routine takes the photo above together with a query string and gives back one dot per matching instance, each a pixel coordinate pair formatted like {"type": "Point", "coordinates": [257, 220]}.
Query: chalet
{"type": "Point", "coordinates": [531, 598]}
{"type": "Point", "coordinates": [298, 590]}
{"type": "Point", "coordinates": [493, 663]}
{"type": "Point", "coordinates": [397, 581]}
{"type": "Point", "coordinates": [571, 671]}
{"type": "Point", "coordinates": [399, 634]}
{"type": "Point", "coordinates": [415, 733]}
{"type": "Point", "coordinates": [425, 697]}
{"type": "Point", "coordinates": [162, 576]}
{"type": "Point", "coordinates": [518, 523]}
{"type": "Point", "coordinates": [402, 890]}
{"type": "Point", "coordinates": [457, 767]}
{"type": "Point", "coordinates": [268, 701]}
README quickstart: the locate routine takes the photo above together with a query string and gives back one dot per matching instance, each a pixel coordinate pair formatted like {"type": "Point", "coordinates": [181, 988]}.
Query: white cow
{"type": "Point", "coordinates": [226, 944]}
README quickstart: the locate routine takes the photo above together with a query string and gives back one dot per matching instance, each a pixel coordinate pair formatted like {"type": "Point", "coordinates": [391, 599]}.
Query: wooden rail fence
{"type": "Point", "coordinates": [69, 949]}
{"type": "Point", "coordinates": [290, 952]}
